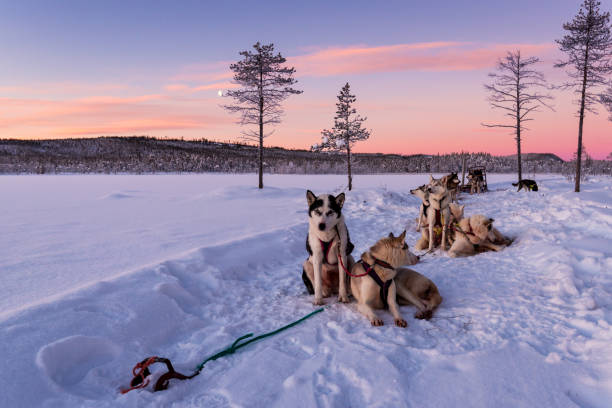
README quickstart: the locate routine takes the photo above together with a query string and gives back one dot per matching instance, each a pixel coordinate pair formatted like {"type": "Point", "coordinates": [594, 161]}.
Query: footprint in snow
{"type": "Point", "coordinates": [68, 361]}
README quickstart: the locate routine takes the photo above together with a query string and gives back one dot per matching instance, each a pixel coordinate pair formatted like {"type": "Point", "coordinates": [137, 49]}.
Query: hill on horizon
{"type": "Point", "coordinates": [142, 154]}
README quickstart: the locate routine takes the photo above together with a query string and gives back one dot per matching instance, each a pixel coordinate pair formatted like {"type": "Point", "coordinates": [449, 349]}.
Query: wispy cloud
{"type": "Point", "coordinates": [186, 89]}
{"type": "Point", "coordinates": [432, 56]}
{"type": "Point", "coordinates": [61, 88]}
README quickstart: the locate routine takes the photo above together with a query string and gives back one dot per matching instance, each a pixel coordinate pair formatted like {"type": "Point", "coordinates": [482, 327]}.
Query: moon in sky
{"type": "Point", "coordinates": [220, 93]}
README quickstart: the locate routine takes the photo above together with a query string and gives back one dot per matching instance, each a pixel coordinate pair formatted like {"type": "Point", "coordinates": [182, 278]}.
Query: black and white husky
{"type": "Point", "coordinates": [328, 245]}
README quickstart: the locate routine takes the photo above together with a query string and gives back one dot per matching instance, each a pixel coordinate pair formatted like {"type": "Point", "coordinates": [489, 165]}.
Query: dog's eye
{"type": "Point", "coordinates": [318, 212]}
{"type": "Point", "coordinates": [329, 213]}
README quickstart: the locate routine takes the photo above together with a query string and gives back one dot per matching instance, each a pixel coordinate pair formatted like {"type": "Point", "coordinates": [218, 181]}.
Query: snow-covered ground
{"type": "Point", "coordinates": [99, 272]}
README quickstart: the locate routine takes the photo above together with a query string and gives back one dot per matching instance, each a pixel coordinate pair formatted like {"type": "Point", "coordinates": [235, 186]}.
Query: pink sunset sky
{"type": "Point", "coordinates": [421, 87]}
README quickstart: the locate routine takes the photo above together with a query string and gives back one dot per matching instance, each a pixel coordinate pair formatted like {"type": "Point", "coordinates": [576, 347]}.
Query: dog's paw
{"type": "Point", "coordinates": [401, 323]}
{"type": "Point", "coordinates": [318, 301]}
{"type": "Point", "coordinates": [377, 322]}
{"type": "Point", "coordinates": [423, 314]}
{"type": "Point", "coordinates": [343, 299]}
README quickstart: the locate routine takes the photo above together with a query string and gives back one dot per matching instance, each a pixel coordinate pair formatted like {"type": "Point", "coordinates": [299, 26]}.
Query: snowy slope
{"type": "Point", "coordinates": [102, 271]}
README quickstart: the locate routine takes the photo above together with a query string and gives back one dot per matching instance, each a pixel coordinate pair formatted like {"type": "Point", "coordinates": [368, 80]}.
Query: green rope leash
{"type": "Point", "coordinates": [141, 370]}
{"type": "Point", "coordinates": [237, 345]}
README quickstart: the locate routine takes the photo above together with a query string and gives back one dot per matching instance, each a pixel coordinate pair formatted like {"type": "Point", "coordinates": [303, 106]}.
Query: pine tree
{"type": "Point", "coordinates": [347, 129]}
{"type": "Point", "coordinates": [264, 83]}
{"type": "Point", "coordinates": [513, 91]}
{"type": "Point", "coordinates": [588, 46]}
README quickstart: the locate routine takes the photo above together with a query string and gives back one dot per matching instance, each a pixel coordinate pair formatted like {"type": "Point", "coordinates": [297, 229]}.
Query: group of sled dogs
{"type": "Point", "coordinates": [379, 279]}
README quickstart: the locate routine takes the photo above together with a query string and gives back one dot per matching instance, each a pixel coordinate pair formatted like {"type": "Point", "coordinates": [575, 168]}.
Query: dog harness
{"type": "Point", "coordinates": [456, 227]}
{"type": "Point", "coordinates": [325, 247]}
{"type": "Point", "coordinates": [384, 286]}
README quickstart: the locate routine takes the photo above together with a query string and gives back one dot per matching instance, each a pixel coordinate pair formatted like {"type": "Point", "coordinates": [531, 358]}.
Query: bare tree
{"type": "Point", "coordinates": [347, 129]}
{"type": "Point", "coordinates": [588, 45]}
{"type": "Point", "coordinates": [513, 90]}
{"type": "Point", "coordinates": [606, 99]}
{"type": "Point", "coordinates": [264, 83]}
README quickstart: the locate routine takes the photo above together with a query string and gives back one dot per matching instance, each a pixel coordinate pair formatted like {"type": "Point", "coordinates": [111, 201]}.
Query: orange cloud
{"type": "Point", "coordinates": [39, 118]}
{"type": "Point", "coordinates": [131, 126]}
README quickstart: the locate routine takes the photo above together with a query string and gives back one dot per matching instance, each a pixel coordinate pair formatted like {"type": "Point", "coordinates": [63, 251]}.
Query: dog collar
{"type": "Point", "coordinates": [383, 264]}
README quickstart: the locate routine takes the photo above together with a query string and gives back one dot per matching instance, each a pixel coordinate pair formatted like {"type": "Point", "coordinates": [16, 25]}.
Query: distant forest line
{"type": "Point", "coordinates": [140, 154]}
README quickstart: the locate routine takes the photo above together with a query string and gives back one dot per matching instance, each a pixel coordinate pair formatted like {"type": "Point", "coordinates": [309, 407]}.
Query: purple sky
{"type": "Point", "coordinates": [75, 68]}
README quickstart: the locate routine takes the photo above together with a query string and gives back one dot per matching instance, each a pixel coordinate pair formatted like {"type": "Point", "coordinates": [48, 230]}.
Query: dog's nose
{"type": "Point", "coordinates": [322, 226]}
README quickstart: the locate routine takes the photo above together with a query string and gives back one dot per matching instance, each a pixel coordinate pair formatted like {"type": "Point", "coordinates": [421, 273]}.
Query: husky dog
{"type": "Point", "coordinates": [438, 216]}
{"type": "Point", "coordinates": [451, 183]}
{"type": "Point", "coordinates": [456, 212]}
{"type": "Point", "coordinates": [423, 193]}
{"type": "Point", "coordinates": [472, 231]}
{"type": "Point", "coordinates": [329, 246]}
{"type": "Point", "coordinates": [529, 185]}
{"type": "Point", "coordinates": [376, 289]}
{"type": "Point", "coordinates": [415, 289]}
{"type": "Point", "coordinates": [476, 182]}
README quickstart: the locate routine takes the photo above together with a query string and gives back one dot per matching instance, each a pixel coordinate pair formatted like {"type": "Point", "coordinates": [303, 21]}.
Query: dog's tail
{"type": "Point", "coordinates": [515, 184]}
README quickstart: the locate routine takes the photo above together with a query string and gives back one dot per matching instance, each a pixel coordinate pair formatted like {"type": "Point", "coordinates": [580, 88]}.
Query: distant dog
{"type": "Point", "coordinates": [529, 185]}
{"type": "Point", "coordinates": [471, 233]}
{"type": "Point", "coordinates": [438, 217]}
{"type": "Point", "coordinates": [476, 182]}
{"type": "Point", "coordinates": [326, 228]}
{"type": "Point", "coordinates": [415, 289]}
{"type": "Point", "coordinates": [376, 289]}
{"type": "Point", "coordinates": [422, 192]}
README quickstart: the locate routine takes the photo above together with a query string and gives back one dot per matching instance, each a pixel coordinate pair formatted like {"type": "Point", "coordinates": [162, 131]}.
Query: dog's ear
{"type": "Point", "coordinates": [391, 235]}
{"type": "Point", "coordinates": [310, 197]}
{"type": "Point", "coordinates": [461, 207]}
{"type": "Point", "coordinates": [340, 200]}
{"type": "Point", "coordinates": [402, 236]}
{"type": "Point", "coordinates": [491, 220]}
{"type": "Point", "coordinates": [431, 179]}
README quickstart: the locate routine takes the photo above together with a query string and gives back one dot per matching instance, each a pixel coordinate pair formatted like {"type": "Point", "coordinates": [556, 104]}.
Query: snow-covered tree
{"type": "Point", "coordinates": [264, 83]}
{"type": "Point", "coordinates": [347, 129]}
{"type": "Point", "coordinates": [514, 91]}
{"type": "Point", "coordinates": [588, 47]}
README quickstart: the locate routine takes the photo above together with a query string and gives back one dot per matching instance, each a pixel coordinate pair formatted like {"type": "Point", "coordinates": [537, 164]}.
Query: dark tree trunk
{"type": "Point", "coordinates": [580, 123]}
{"type": "Point", "coordinates": [348, 159]}
{"type": "Point", "coordinates": [518, 133]}
{"type": "Point", "coordinates": [261, 134]}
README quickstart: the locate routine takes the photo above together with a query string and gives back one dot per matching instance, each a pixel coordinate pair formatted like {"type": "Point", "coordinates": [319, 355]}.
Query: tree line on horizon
{"type": "Point", "coordinates": [145, 155]}
{"type": "Point", "coordinates": [517, 89]}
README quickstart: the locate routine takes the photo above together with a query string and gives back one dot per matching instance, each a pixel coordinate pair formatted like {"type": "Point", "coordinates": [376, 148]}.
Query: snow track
{"type": "Point", "coordinates": [527, 326]}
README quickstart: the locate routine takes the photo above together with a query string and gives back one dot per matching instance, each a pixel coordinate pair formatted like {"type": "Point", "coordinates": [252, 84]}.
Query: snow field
{"type": "Point", "coordinates": [526, 326]}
